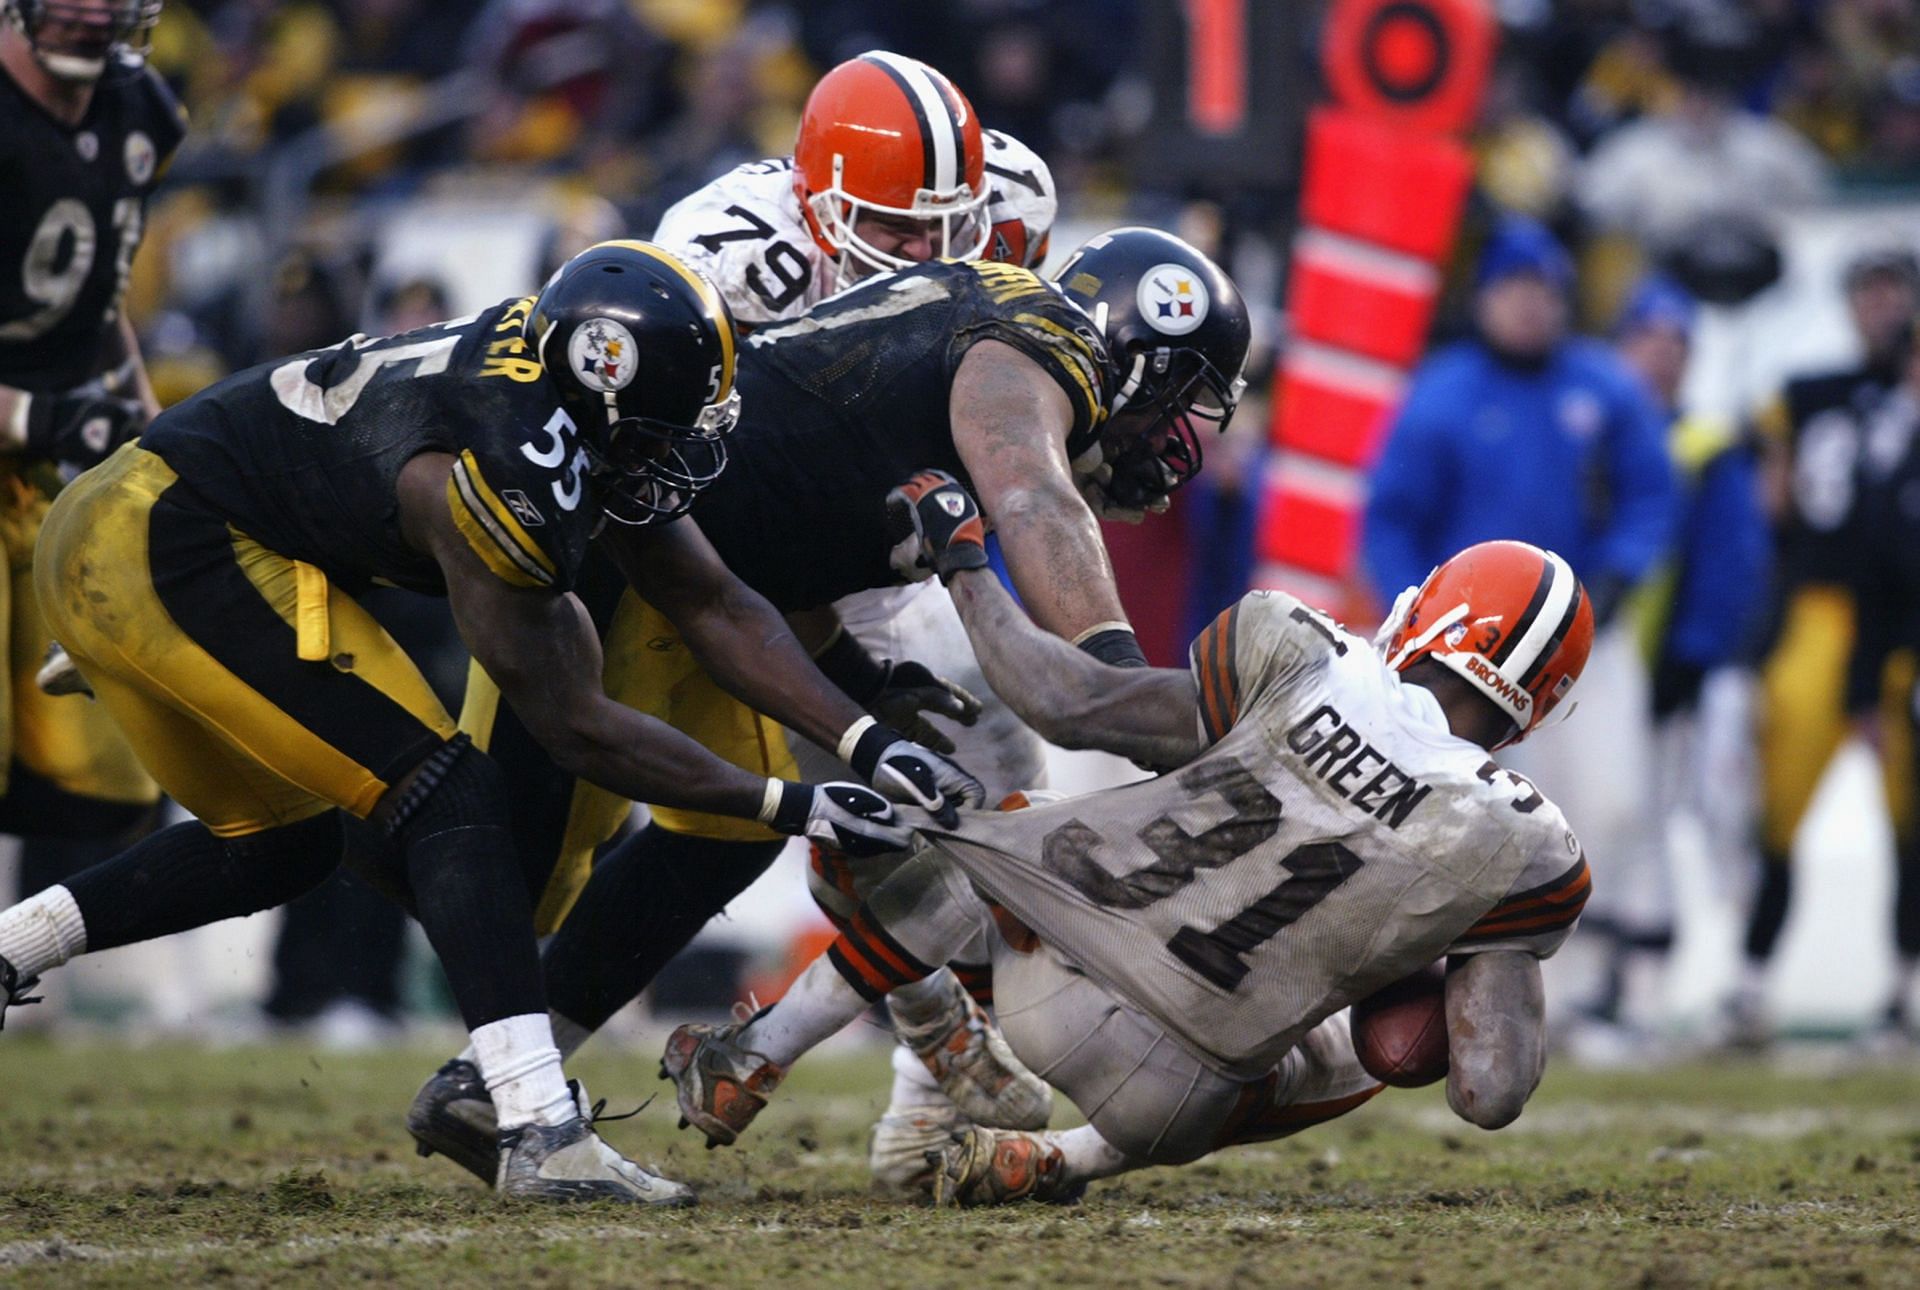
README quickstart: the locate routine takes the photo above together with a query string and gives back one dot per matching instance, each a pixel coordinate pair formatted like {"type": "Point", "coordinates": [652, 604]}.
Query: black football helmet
{"type": "Point", "coordinates": [1177, 335]}
{"type": "Point", "coordinates": [77, 42]}
{"type": "Point", "coordinates": [642, 349]}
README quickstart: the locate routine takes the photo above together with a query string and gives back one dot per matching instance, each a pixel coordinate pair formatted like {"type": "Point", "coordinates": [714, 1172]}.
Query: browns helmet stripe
{"type": "Point", "coordinates": [942, 145]}
{"type": "Point", "coordinates": [1505, 649]}
{"type": "Point", "coordinates": [1546, 619]}
{"type": "Point", "coordinates": [1552, 646]}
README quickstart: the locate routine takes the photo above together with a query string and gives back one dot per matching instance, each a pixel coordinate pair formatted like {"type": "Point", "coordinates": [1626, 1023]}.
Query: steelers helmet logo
{"type": "Point", "coordinates": [603, 355]}
{"type": "Point", "coordinates": [1172, 298]}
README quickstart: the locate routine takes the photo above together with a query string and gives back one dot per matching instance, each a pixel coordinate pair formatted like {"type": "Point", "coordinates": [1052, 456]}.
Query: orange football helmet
{"type": "Point", "coordinates": [1510, 618]}
{"type": "Point", "coordinates": [887, 135]}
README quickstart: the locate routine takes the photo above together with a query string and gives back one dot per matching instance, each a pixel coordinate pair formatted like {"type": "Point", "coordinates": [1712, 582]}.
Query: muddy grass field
{"type": "Point", "coordinates": [281, 1165]}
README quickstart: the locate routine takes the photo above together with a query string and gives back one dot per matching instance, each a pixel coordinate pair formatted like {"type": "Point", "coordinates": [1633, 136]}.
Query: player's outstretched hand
{"type": "Point", "coordinates": [910, 691]}
{"type": "Point", "coordinates": [847, 817]}
{"type": "Point", "coordinates": [909, 772]}
{"type": "Point", "coordinates": [82, 427]}
{"type": "Point", "coordinates": [935, 525]}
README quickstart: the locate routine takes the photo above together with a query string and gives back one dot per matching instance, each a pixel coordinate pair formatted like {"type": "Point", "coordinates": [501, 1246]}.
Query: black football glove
{"type": "Point", "coordinates": [907, 772]}
{"type": "Point", "coordinates": [935, 526]}
{"type": "Point", "coordinates": [82, 427]}
{"type": "Point", "coordinates": [910, 692]}
{"type": "Point", "coordinates": [850, 818]}
{"type": "Point", "coordinates": [897, 694]}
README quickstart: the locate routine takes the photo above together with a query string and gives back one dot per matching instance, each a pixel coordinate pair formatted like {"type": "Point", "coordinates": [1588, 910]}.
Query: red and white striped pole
{"type": "Point", "coordinates": [1385, 180]}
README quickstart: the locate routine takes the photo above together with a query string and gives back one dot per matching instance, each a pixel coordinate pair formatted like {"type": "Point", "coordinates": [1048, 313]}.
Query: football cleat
{"type": "Point", "coordinates": [453, 1115]}
{"type": "Point", "coordinates": [970, 1058]}
{"type": "Point", "coordinates": [999, 1167]}
{"type": "Point", "coordinates": [897, 1153]}
{"type": "Point", "coordinates": [570, 1162]}
{"type": "Point", "coordinates": [13, 990]}
{"type": "Point", "coordinates": [720, 1086]}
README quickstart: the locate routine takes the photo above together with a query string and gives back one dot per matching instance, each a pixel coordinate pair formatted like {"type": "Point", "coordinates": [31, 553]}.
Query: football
{"type": "Point", "coordinates": [1400, 1032]}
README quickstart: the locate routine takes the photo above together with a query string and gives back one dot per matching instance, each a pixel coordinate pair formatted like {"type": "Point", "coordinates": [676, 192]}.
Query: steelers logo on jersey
{"type": "Point", "coordinates": [603, 354]}
{"type": "Point", "coordinates": [141, 157]}
{"type": "Point", "coordinates": [1172, 298]}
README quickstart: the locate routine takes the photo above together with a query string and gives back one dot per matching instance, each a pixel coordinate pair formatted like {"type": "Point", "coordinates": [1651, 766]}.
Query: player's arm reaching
{"type": "Point", "coordinates": [1010, 427]}
{"type": "Point", "coordinates": [898, 692]}
{"type": "Point", "coordinates": [1067, 695]}
{"type": "Point", "coordinates": [1496, 1035]}
{"type": "Point", "coordinates": [541, 649]}
{"type": "Point", "coordinates": [746, 646]}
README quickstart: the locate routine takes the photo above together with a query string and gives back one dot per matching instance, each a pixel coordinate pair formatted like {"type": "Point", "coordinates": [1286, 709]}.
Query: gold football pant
{"type": "Point", "coordinates": [67, 741]}
{"type": "Point", "coordinates": [256, 693]}
{"type": "Point", "coordinates": [1804, 719]}
{"type": "Point", "coordinates": [558, 821]}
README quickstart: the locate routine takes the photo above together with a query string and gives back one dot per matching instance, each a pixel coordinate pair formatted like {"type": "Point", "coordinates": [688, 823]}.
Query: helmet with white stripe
{"type": "Point", "coordinates": [1510, 618]}
{"type": "Point", "coordinates": [887, 137]}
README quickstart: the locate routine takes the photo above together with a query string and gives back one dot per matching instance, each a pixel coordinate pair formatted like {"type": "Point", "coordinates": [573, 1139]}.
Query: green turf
{"type": "Point", "coordinates": [133, 1167]}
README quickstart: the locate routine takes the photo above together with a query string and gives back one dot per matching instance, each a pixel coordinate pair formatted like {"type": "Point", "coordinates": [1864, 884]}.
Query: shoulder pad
{"type": "Point", "coordinates": [746, 232]}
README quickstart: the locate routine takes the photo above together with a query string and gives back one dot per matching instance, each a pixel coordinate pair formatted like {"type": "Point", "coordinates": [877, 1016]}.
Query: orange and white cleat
{"type": "Point", "coordinates": [999, 1167]}
{"type": "Point", "coordinates": [720, 1086]}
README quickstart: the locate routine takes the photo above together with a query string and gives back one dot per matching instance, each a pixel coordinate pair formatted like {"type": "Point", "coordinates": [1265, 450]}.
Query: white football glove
{"type": "Point", "coordinates": [850, 818]}
{"type": "Point", "coordinates": [909, 772]}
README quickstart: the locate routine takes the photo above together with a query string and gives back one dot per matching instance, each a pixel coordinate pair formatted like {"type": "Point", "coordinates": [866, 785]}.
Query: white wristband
{"type": "Point", "coordinates": [1112, 625]}
{"type": "Point", "coordinates": [770, 800]}
{"type": "Point", "coordinates": [847, 741]}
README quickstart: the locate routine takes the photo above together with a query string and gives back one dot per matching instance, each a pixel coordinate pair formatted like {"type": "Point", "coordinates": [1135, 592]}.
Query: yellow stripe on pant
{"type": "Point", "coordinates": [1803, 717]}
{"type": "Point", "coordinates": [187, 631]}
{"type": "Point", "coordinates": [648, 668]}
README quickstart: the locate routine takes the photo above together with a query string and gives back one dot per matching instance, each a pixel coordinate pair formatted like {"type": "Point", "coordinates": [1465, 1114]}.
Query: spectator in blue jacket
{"type": "Point", "coordinates": [1523, 432]}
{"type": "Point", "coordinates": [1526, 432]}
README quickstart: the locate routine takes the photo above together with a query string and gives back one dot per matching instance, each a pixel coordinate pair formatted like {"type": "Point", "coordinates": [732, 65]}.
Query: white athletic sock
{"type": "Point", "coordinates": [914, 1087]}
{"type": "Point", "coordinates": [569, 1036]}
{"type": "Point", "coordinates": [521, 1066]}
{"type": "Point", "coordinates": [819, 1005]}
{"type": "Point", "coordinates": [1088, 1156]}
{"type": "Point", "coordinates": [43, 931]}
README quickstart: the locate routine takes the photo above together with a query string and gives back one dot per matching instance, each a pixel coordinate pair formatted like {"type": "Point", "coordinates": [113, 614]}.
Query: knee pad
{"type": "Point", "coordinates": [456, 787]}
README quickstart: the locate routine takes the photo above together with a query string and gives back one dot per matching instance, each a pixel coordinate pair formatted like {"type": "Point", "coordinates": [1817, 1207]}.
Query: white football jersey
{"type": "Point", "coordinates": [746, 231]}
{"type": "Point", "coordinates": [1334, 838]}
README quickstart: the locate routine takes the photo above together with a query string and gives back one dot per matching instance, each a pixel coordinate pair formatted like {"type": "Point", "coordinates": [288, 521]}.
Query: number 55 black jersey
{"type": "Point", "coordinates": [1334, 838]}
{"type": "Point", "coordinates": [72, 206]}
{"type": "Point", "coordinates": [303, 454]}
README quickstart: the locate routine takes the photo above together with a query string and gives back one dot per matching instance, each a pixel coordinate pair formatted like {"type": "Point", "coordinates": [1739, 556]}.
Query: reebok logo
{"type": "Point", "coordinates": [1506, 691]}
{"type": "Point", "coordinates": [522, 507]}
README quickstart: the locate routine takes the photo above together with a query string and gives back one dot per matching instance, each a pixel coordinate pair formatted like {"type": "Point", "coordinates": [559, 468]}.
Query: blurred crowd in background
{"type": "Point", "coordinates": [1638, 162]}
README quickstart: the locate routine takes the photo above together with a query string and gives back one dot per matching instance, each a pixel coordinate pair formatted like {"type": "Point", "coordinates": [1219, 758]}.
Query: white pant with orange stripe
{"type": "Point", "coordinates": [1146, 1095]}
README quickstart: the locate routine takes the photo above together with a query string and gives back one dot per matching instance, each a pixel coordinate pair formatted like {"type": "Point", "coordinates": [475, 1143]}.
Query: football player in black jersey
{"type": "Point", "coordinates": [1025, 388]}
{"type": "Point", "coordinates": [85, 131]}
{"type": "Point", "coordinates": [203, 579]}
{"type": "Point", "coordinates": [1815, 438]}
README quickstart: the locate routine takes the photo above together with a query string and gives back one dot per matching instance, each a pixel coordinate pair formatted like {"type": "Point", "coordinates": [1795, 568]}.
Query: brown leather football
{"type": "Point", "coordinates": [1400, 1031]}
